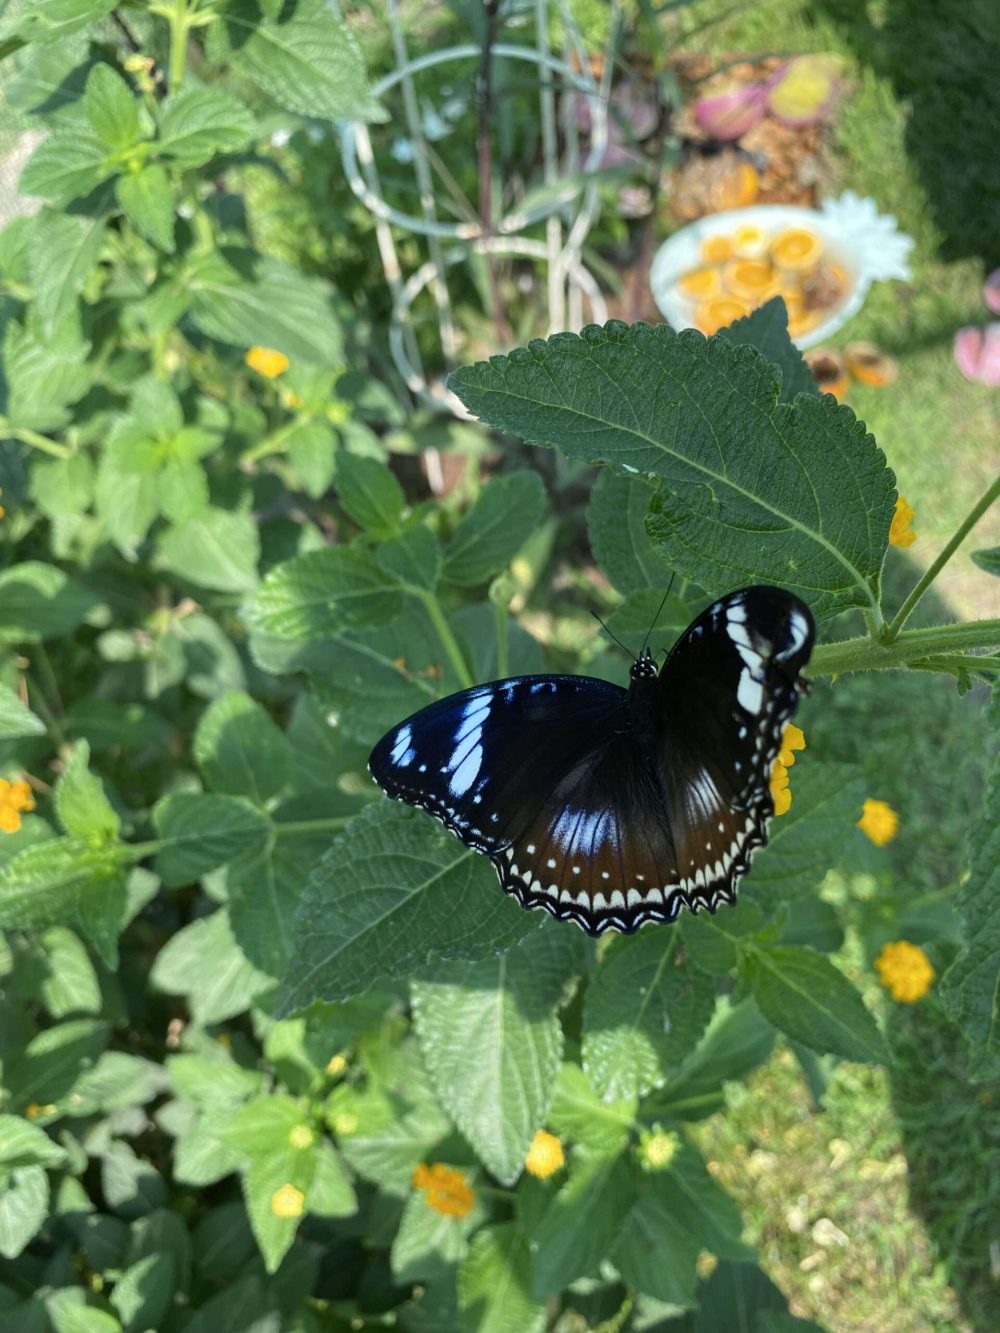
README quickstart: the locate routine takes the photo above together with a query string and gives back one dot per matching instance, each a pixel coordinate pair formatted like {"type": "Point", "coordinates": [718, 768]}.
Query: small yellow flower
{"type": "Point", "coordinates": [900, 533]}
{"type": "Point", "coordinates": [337, 412]}
{"type": "Point", "coordinates": [344, 1124]}
{"type": "Point", "coordinates": [545, 1156]}
{"type": "Point", "coordinates": [32, 1111]}
{"type": "Point", "coordinates": [266, 361]}
{"type": "Point", "coordinates": [792, 739]}
{"type": "Point", "coordinates": [288, 1202]}
{"type": "Point", "coordinates": [905, 971]}
{"type": "Point", "coordinates": [3, 512]}
{"type": "Point", "coordinates": [301, 1137]}
{"type": "Point", "coordinates": [657, 1148]}
{"type": "Point", "coordinates": [448, 1192]}
{"type": "Point", "coordinates": [15, 798]}
{"type": "Point", "coordinates": [336, 1066]}
{"type": "Point", "coordinates": [879, 821]}
{"type": "Point", "coordinates": [780, 793]}
{"type": "Point", "coordinates": [293, 400]}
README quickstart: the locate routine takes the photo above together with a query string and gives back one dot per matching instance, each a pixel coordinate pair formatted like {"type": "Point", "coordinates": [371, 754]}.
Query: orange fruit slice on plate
{"type": "Point", "coordinates": [796, 248]}
{"type": "Point", "coordinates": [716, 249]}
{"type": "Point", "coordinates": [750, 279]}
{"type": "Point", "coordinates": [868, 365]}
{"type": "Point", "coordinates": [717, 313]}
{"type": "Point", "coordinates": [700, 283]}
{"type": "Point", "coordinates": [828, 371]}
{"type": "Point", "coordinates": [749, 242]}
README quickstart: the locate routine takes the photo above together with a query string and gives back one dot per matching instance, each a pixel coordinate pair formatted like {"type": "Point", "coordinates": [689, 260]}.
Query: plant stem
{"type": "Point", "coordinates": [484, 154]}
{"type": "Point", "coordinates": [270, 444]}
{"type": "Point", "coordinates": [502, 654]}
{"type": "Point", "coordinates": [329, 825]}
{"type": "Point", "coordinates": [178, 44]}
{"type": "Point", "coordinates": [933, 570]}
{"type": "Point", "coordinates": [41, 442]}
{"type": "Point", "coordinates": [909, 648]}
{"type": "Point", "coordinates": [444, 633]}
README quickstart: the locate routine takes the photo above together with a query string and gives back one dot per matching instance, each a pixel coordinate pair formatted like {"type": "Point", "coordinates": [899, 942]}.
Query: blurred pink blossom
{"type": "Point", "coordinates": [991, 291]}
{"type": "Point", "coordinates": [977, 353]}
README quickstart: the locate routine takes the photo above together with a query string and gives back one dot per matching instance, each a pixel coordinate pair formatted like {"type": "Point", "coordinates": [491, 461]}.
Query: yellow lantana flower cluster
{"type": "Point", "coordinates": [267, 362]}
{"type": "Point", "coordinates": [448, 1191]}
{"type": "Point", "coordinates": [792, 739]}
{"type": "Point", "coordinates": [879, 822]}
{"type": "Point", "coordinates": [288, 1202]}
{"type": "Point", "coordinates": [15, 798]}
{"type": "Point", "coordinates": [545, 1156]}
{"type": "Point", "coordinates": [905, 971]}
{"type": "Point", "coordinates": [900, 532]}
{"type": "Point", "coordinates": [657, 1148]}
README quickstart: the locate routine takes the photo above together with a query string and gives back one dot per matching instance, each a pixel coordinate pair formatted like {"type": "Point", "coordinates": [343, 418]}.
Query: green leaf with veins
{"type": "Point", "coordinates": [195, 124]}
{"type": "Point", "coordinates": [501, 520]}
{"type": "Point", "coordinates": [322, 593]}
{"type": "Point", "coordinates": [766, 328]}
{"type": "Point", "coordinates": [751, 489]}
{"type": "Point", "coordinates": [616, 524]}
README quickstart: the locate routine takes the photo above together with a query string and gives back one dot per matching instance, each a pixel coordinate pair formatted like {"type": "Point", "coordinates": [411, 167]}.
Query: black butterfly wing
{"type": "Point", "coordinates": [665, 814]}
{"type": "Point", "coordinates": [724, 697]}
{"type": "Point", "coordinates": [483, 761]}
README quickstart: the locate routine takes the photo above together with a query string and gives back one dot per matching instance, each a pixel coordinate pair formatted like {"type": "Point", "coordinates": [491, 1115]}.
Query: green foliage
{"type": "Point", "coordinates": [244, 998]}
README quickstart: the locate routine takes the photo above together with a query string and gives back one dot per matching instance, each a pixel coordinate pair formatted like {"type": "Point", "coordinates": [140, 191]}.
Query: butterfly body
{"type": "Point", "coordinates": [613, 807]}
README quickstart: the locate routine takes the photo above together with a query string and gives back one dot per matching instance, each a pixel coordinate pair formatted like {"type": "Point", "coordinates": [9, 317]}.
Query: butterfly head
{"type": "Point", "coordinates": [644, 667]}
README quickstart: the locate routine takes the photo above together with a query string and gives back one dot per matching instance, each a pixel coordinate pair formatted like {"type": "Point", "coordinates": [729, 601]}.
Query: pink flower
{"type": "Point", "coordinates": [991, 291]}
{"type": "Point", "coordinates": [977, 352]}
{"type": "Point", "coordinates": [730, 114]}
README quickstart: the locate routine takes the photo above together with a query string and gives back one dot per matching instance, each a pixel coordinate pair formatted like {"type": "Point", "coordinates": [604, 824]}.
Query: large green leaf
{"type": "Point", "coordinates": [199, 831]}
{"type": "Point", "coordinates": [321, 593]}
{"type": "Point", "coordinates": [66, 165]}
{"type": "Point", "coordinates": [82, 807]}
{"type": "Point", "coordinates": [370, 493]}
{"type": "Point", "coordinates": [429, 1244]}
{"type": "Point", "coordinates": [204, 962]}
{"type": "Point", "coordinates": [111, 108]}
{"type": "Point", "coordinates": [810, 1000]}
{"type": "Point", "coordinates": [492, 1043]}
{"type": "Point", "coordinates": [646, 1008]}
{"type": "Point", "coordinates": [971, 986]}
{"type": "Point", "coordinates": [247, 300]}
{"type": "Point", "coordinates": [752, 489]}
{"type": "Point", "coordinates": [494, 1284]}
{"type": "Point", "coordinates": [25, 1144]}
{"type": "Point", "coordinates": [16, 720]}
{"type": "Point", "coordinates": [46, 21]}
{"type": "Point", "coordinates": [392, 894]}
{"type": "Point", "coordinates": [217, 549]}
{"type": "Point", "coordinates": [58, 882]}
{"type": "Point", "coordinates": [64, 252]}
{"type": "Point", "coordinates": [656, 1253]}
{"type": "Point", "coordinates": [197, 123]}
{"type": "Point", "coordinates": [504, 516]}
{"type": "Point", "coordinates": [24, 1206]}
{"type": "Point", "coordinates": [240, 749]}
{"type": "Point", "coordinates": [616, 523]}
{"type": "Point", "coordinates": [701, 1205]}
{"type": "Point", "coordinates": [149, 201]}
{"type": "Point", "coordinates": [39, 601]}
{"type": "Point", "coordinates": [582, 1223]}
{"type": "Point", "coordinates": [766, 328]}
{"type": "Point", "coordinates": [578, 1113]}
{"type": "Point", "coordinates": [301, 55]}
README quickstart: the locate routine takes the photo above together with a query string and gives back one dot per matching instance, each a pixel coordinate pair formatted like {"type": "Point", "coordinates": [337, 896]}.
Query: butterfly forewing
{"type": "Point", "coordinates": [614, 809]}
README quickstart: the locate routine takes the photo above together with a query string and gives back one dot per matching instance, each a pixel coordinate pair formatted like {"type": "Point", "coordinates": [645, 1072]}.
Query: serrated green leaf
{"type": "Point", "coordinates": [68, 1313]}
{"type": "Point", "coordinates": [240, 749]}
{"type": "Point", "coordinates": [494, 1284]}
{"type": "Point", "coordinates": [322, 592]}
{"type": "Point", "coordinates": [971, 986]}
{"type": "Point", "coordinates": [111, 107]}
{"type": "Point", "coordinates": [393, 893]}
{"type": "Point", "coordinates": [714, 940]}
{"type": "Point", "coordinates": [144, 1292]}
{"type": "Point", "coordinates": [766, 328]}
{"type": "Point", "coordinates": [25, 1144]}
{"type": "Point", "coordinates": [413, 558]}
{"type": "Point", "coordinates": [200, 831]}
{"type": "Point", "coordinates": [57, 881]}
{"type": "Point", "coordinates": [16, 720]}
{"type": "Point", "coordinates": [303, 58]}
{"type": "Point", "coordinates": [805, 996]}
{"type": "Point", "coordinates": [247, 300]}
{"type": "Point", "coordinates": [149, 201]}
{"type": "Point", "coordinates": [197, 123]}
{"type": "Point", "coordinates": [656, 1254]}
{"type": "Point", "coordinates": [807, 841]}
{"type": "Point", "coordinates": [578, 1113]}
{"type": "Point", "coordinates": [312, 447]}
{"type": "Point", "coordinates": [65, 166]}
{"type": "Point", "coordinates": [582, 1223]}
{"type": "Point", "coordinates": [616, 524]}
{"type": "Point", "coordinates": [701, 1206]}
{"type": "Point", "coordinates": [391, 1134]}
{"type": "Point", "coordinates": [64, 251]}
{"type": "Point", "coordinates": [39, 601]}
{"type": "Point", "coordinates": [43, 375]}
{"type": "Point", "coordinates": [736, 1294]}
{"type": "Point", "coordinates": [646, 1008]}
{"type": "Point", "coordinates": [492, 1043]}
{"type": "Point", "coordinates": [116, 1081]}
{"type": "Point", "coordinates": [47, 21]}
{"type": "Point", "coordinates": [752, 490]}
{"type": "Point", "coordinates": [131, 1185]}
{"type": "Point", "coordinates": [82, 808]}
{"type": "Point", "coordinates": [63, 487]}
{"type": "Point", "coordinates": [370, 493]}
{"type": "Point", "coordinates": [988, 559]}
{"type": "Point", "coordinates": [24, 1206]}
{"type": "Point", "coordinates": [204, 962]}
{"type": "Point", "coordinates": [503, 517]}
{"type": "Point", "coordinates": [70, 985]}
{"type": "Point", "coordinates": [52, 1064]}
{"type": "Point", "coordinates": [737, 1041]}
{"type": "Point", "coordinates": [217, 549]}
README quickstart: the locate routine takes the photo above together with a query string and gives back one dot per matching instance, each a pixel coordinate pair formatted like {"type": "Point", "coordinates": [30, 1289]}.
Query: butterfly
{"type": "Point", "coordinates": [613, 807]}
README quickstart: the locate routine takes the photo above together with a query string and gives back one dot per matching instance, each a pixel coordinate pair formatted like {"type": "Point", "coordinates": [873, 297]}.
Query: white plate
{"type": "Point", "coordinates": [866, 244]}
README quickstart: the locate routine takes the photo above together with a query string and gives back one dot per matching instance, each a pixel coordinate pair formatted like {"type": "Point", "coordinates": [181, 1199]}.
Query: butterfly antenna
{"type": "Point", "coordinates": [659, 609]}
{"type": "Point", "coordinates": [612, 636]}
